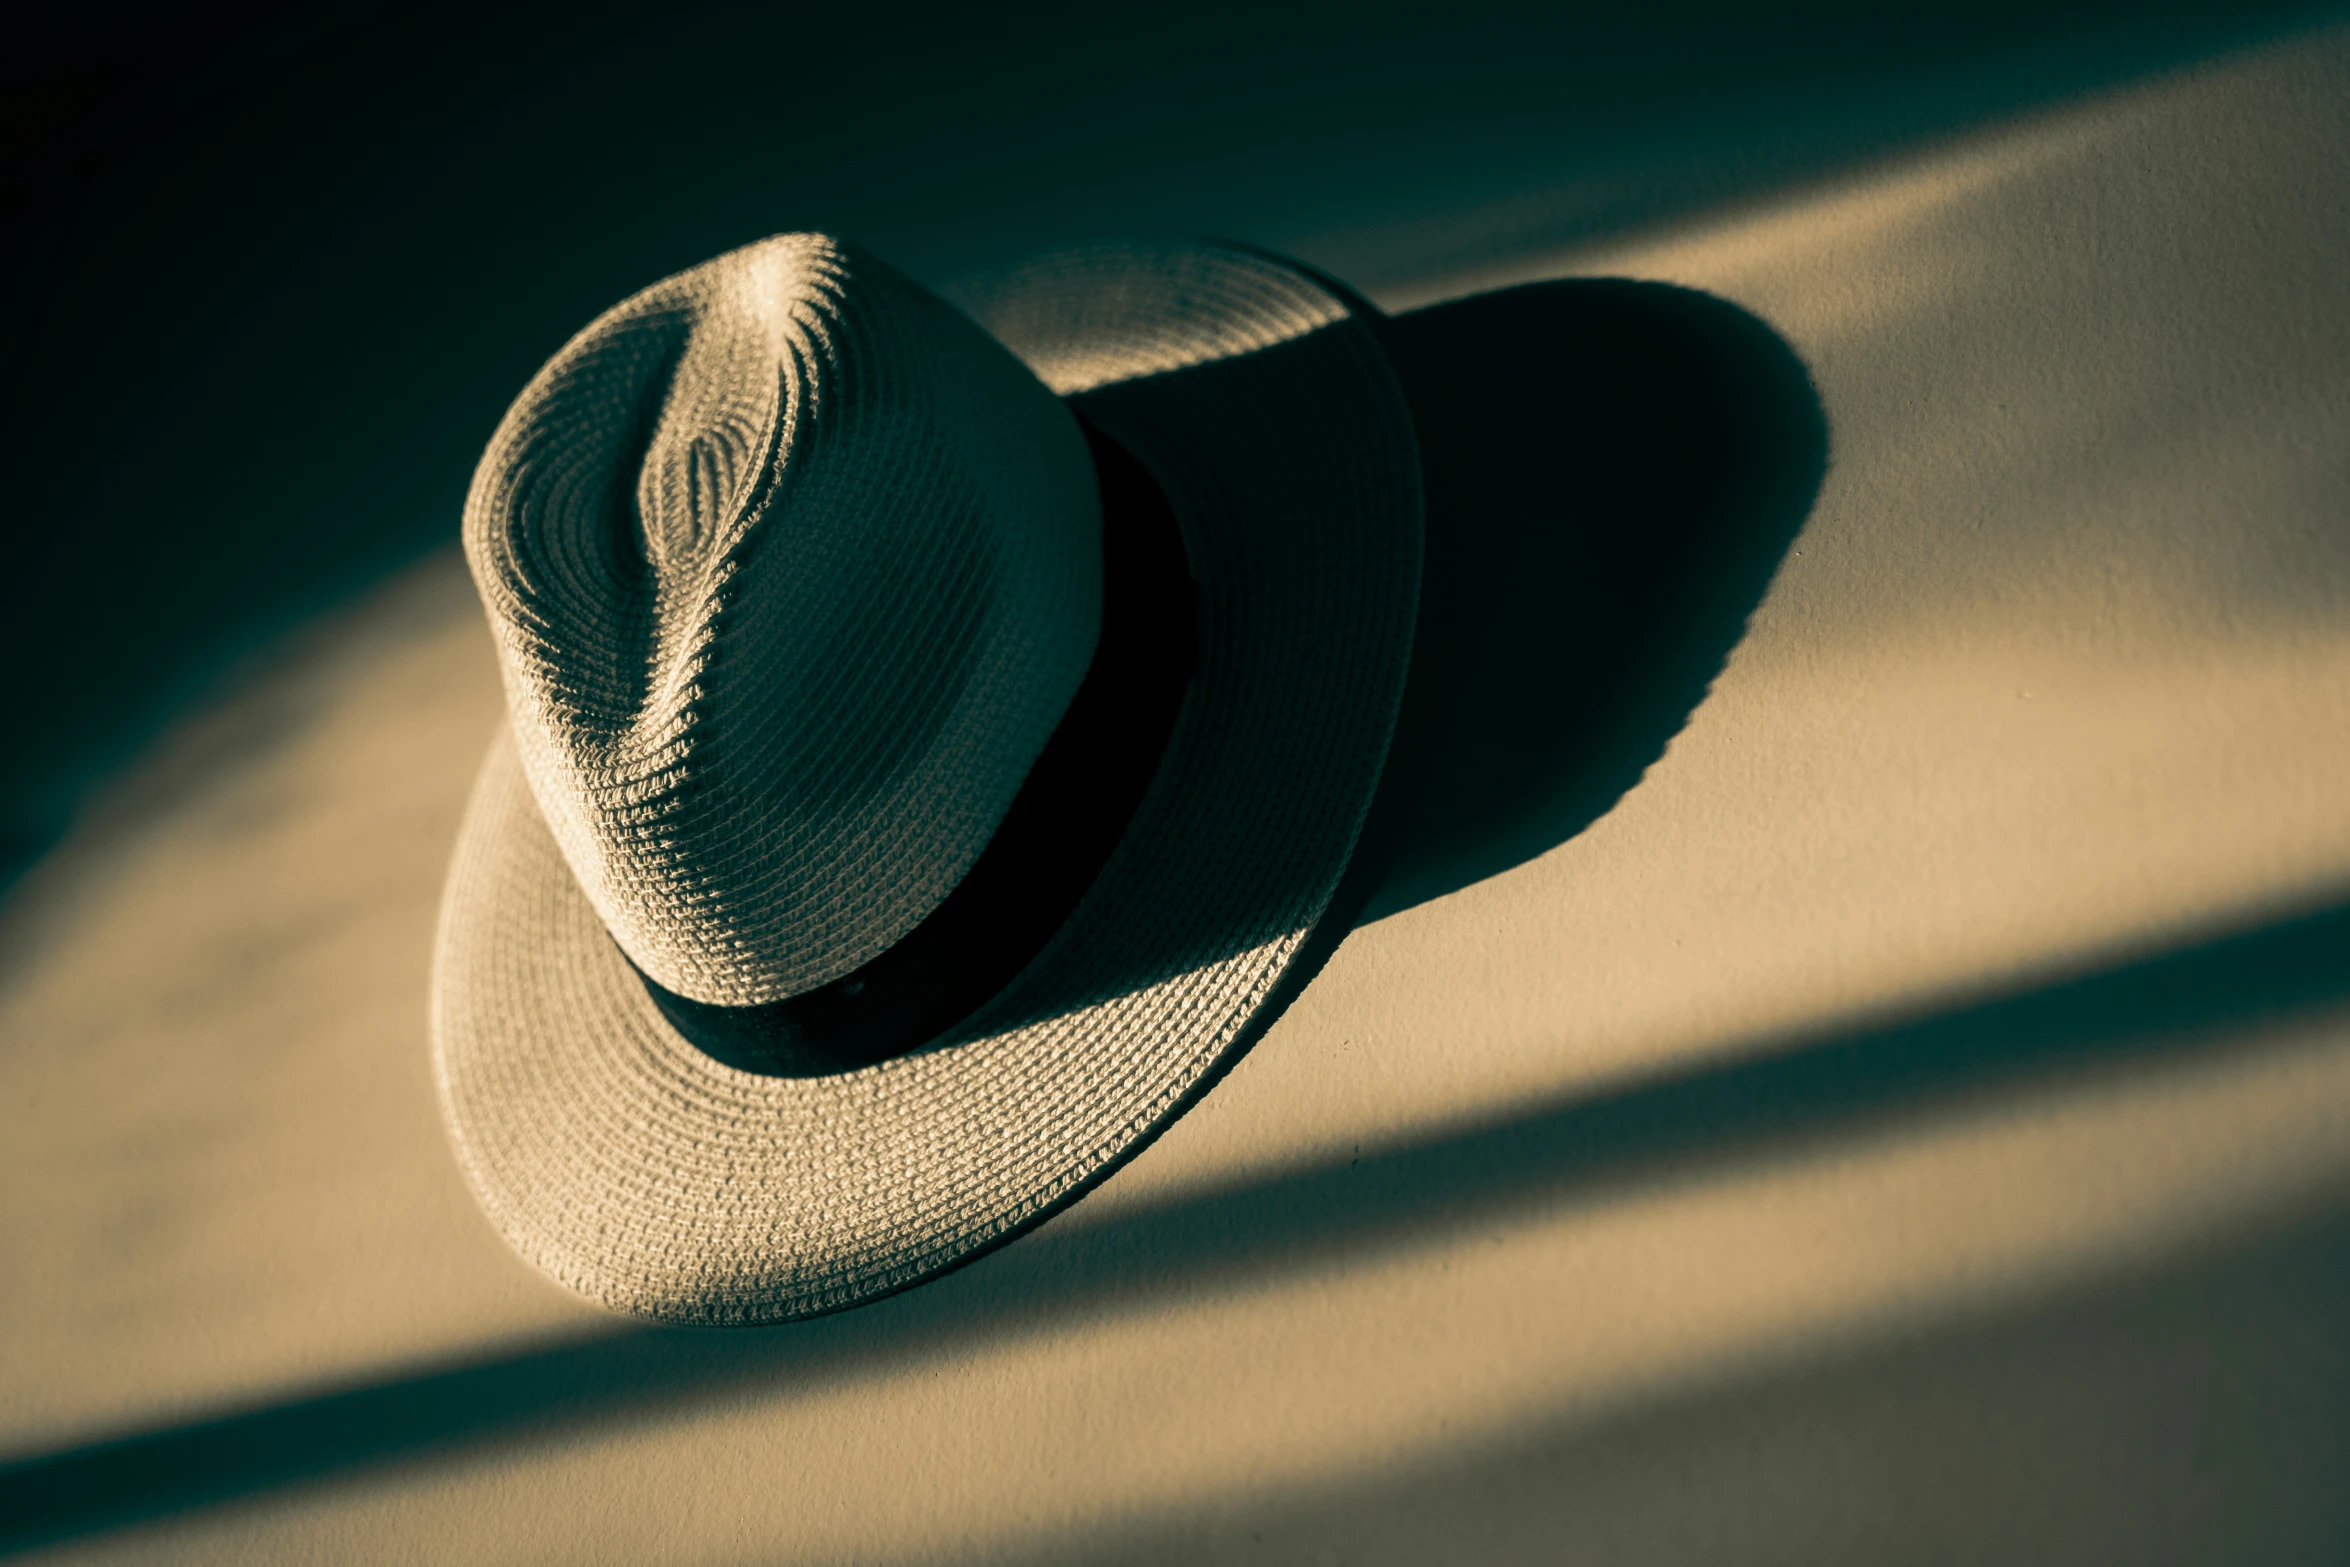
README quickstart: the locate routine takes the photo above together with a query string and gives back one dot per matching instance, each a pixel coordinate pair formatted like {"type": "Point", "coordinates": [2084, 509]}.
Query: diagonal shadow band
{"type": "Point", "coordinates": [2174, 1003]}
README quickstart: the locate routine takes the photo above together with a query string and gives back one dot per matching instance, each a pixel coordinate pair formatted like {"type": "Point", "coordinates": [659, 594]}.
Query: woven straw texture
{"type": "Point", "coordinates": [792, 572]}
{"type": "Point", "coordinates": [648, 1176]}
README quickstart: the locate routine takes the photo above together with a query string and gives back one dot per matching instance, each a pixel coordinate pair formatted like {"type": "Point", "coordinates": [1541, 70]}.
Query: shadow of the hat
{"type": "Point", "coordinates": [1616, 469]}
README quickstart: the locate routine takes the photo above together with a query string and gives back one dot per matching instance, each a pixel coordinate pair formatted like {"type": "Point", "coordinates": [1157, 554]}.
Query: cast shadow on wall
{"type": "Point", "coordinates": [1630, 462]}
{"type": "Point", "coordinates": [1614, 471]}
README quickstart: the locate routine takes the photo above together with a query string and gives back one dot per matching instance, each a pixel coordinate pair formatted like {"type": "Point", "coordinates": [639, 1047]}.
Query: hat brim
{"type": "Point", "coordinates": [650, 1177]}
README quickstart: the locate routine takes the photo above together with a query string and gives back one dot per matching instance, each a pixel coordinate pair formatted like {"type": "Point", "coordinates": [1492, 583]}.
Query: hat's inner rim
{"type": "Point", "coordinates": [1079, 797]}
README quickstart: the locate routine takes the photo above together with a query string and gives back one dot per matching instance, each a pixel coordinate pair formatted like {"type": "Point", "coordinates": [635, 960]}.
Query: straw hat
{"type": "Point", "coordinates": [935, 744]}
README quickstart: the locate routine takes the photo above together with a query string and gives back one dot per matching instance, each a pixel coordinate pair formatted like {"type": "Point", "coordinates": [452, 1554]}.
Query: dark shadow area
{"type": "Point", "coordinates": [278, 272]}
{"type": "Point", "coordinates": [1707, 1119]}
{"type": "Point", "coordinates": [1616, 469]}
{"type": "Point", "coordinates": [2193, 1411]}
{"type": "Point", "coordinates": [1305, 673]}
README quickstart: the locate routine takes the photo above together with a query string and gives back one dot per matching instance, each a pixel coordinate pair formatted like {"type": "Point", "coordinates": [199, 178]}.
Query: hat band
{"type": "Point", "coordinates": [1060, 830]}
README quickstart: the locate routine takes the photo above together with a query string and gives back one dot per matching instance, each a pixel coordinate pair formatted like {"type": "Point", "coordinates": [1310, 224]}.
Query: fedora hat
{"type": "Point", "coordinates": [939, 740]}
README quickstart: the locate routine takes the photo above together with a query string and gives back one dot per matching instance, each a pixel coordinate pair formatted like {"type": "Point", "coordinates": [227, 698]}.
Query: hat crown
{"type": "Point", "coordinates": [792, 571]}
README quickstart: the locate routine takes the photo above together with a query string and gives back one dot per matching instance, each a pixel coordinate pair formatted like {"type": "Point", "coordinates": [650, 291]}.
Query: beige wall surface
{"type": "Point", "coordinates": [1912, 1125]}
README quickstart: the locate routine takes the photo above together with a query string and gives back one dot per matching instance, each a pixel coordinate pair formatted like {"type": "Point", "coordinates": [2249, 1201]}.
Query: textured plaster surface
{"type": "Point", "coordinates": [2057, 676]}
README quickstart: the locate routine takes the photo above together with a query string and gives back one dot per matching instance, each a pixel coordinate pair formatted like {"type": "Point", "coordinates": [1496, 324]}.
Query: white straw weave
{"type": "Point", "coordinates": [792, 570]}
{"type": "Point", "coordinates": [653, 1178]}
